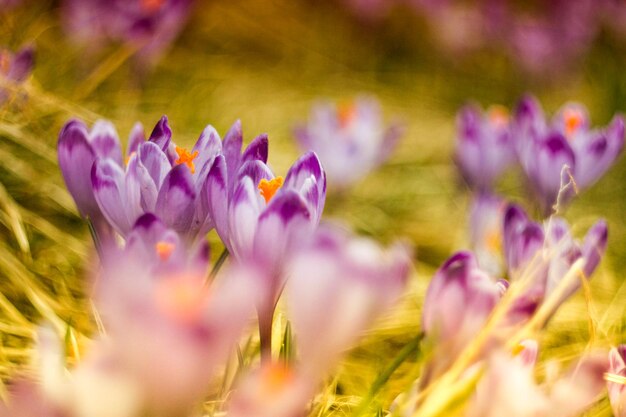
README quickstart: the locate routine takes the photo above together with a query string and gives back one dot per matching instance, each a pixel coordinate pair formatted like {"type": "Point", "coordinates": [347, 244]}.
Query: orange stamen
{"type": "Point", "coordinates": [269, 188]}
{"type": "Point", "coordinates": [164, 249]}
{"type": "Point", "coordinates": [573, 119]}
{"type": "Point", "coordinates": [494, 241]}
{"type": "Point", "coordinates": [151, 6]}
{"type": "Point", "coordinates": [498, 115]}
{"type": "Point", "coordinates": [184, 157]}
{"type": "Point", "coordinates": [129, 157]}
{"type": "Point", "coordinates": [274, 379]}
{"type": "Point", "coordinates": [346, 113]}
{"type": "Point", "coordinates": [181, 298]}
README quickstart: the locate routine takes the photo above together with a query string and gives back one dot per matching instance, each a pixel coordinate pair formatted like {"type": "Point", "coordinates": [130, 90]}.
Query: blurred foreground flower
{"type": "Point", "coordinates": [545, 147]}
{"type": "Point", "coordinates": [508, 387]}
{"type": "Point", "coordinates": [148, 25]}
{"type": "Point", "coordinates": [485, 224]}
{"type": "Point", "coordinates": [351, 140]}
{"type": "Point", "coordinates": [14, 69]}
{"type": "Point", "coordinates": [616, 380]}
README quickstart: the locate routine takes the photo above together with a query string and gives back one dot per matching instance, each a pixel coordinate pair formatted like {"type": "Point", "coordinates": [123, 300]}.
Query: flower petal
{"type": "Point", "coordinates": [105, 141]}
{"type": "Point", "coordinates": [155, 162]}
{"type": "Point", "coordinates": [214, 196]}
{"type": "Point", "coordinates": [175, 203]}
{"type": "Point", "coordinates": [107, 179]}
{"type": "Point", "coordinates": [135, 139]}
{"type": "Point", "coordinates": [256, 150]}
{"type": "Point", "coordinates": [161, 134]}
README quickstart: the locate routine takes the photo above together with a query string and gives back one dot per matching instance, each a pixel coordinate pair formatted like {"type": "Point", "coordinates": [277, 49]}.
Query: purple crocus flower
{"type": "Point", "coordinates": [544, 254]}
{"type": "Point", "coordinates": [339, 284]}
{"type": "Point", "coordinates": [15, 68]}
{"type": "Point", "coordinates": [544, 148]}
{"type": "Point", "coordinates": [350, 140]}
{"type": "Point", "coordinates": [150, 25]}
{"type": "Point", "coordinates": [615, 378]}
{"type": "Point", "coordinates": [484, 145]}
{"type": "Point", "coordinates": [158, 178]}
{"type": "Point", "coordinates": [458, 302]}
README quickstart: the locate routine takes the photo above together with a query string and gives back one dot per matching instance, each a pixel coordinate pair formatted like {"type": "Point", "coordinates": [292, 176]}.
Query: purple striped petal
{"type": "Point", "coordinates": [306, 167]}
{"type": "Point", "coordinates": [105, 141]}
{"type": "Point", "coordinates": [256, 170]}
{"type": "Point", "coordinates": [76, 158]}
{"type": "Point", "coordinates": [594, 246]}
{"type": "Point", "coordinates": [141, 191]}
{"type": "Point", "coordinates": [552, 154]}
{"type": "Point", "coordinates": [214, 196]}
{"type": "Point", "coordinates": [162, 134]}
{"type": "Point", "coordinates": [107, 179]}
{"type": "Point", "coordinates": [208, 146]}
{"type": "Point", "coordinates": [231, 149]}
{"type": "Point", "coordinates": [135, 139]}
{"type": "Point", "coordinates": [155, 162]}
{"type": "Point", "coordinates": [175, 203]}
{"type": "Point", "coordinates": [285, 223]}
{"type": "Point", "coordinates": [147, 233]}
{"type": "Point", "coordinates": [243, 215]}
{"type": "Point", "coordinates": [256, 150]}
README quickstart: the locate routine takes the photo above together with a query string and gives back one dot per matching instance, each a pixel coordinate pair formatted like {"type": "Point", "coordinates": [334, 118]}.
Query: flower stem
{"type": "Point", "coordinates": [265, 334]}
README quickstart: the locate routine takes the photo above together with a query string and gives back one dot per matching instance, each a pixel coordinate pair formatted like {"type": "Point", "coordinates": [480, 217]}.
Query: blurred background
{"type": "Point", "coordinates": [266, 63]}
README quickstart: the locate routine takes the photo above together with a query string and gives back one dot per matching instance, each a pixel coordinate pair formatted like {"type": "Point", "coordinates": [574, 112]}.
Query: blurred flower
{"type": "Point", "coordinates": [544, 254]}
{"type": "Point", "coordinates": [339, 284]}
{"type": "Point", "coordinates": [486, 219]}
{"type": "Point", "coordinates": [169, 332]}
{"type": "Point", "coordinates": [351, 140]}
{"type": "Point", "coordinates": [150, 25]}
{"type": "Point", "coordinates": [159, 177]}
{"type": "Point", "coordinates": [458, 302]}
{"type": "Point", "coordinates": [544, 148]}
{"type": "Point", "coordinates": [274, 390]}
{"type": "Point", "coordinates": [15, 69]}
{"type": "Point", "coordinates": [484, 147]}
{"type": "Point", "coordinates": [26, 399]}
{"type": "Point", "coordinates": [615, 378]}
{"type": "Point", "coordinates": [508, 388]}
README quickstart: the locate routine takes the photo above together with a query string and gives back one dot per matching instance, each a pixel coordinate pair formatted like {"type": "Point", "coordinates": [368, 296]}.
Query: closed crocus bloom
{"type": "Point", "coordinates": [486, 219]}
{"type": "Point", "coordinates": [14, 69]}
{"type": "Point", "coordinates": [544, 148]}
{"type": "Point", "coordinates": [543, 255]}
{"type": "Point", "coordinates": [169, 332]}
{"type": "Point", "coordinates": [160, 178]}
{"type": "Point", "coordinates": [458, 301]}
{"type": "Point", "coordinates": [351, 140]}
{"type": "Point", "coordinates": [150, 25]}
{"type": "Point", "coordinates": [338, 285]}
{"type": "Point", "coordinates": [484, 148]}
{"type": "Point", "coordinates": [616, 378]}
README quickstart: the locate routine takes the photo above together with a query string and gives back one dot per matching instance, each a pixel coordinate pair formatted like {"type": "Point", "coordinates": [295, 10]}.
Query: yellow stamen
{"type": "Point", "coordinates": [151, 6]}
{"type": "Point", "coordinates": [346, 113]}
{"type": "Point", "coordinates": [519, 348]}
{"type": "Point", "coordinates": [129, 157]}
{"type": "Point", "coordinates": [493, 240]}
{"type": "Point", "coordinates": [269, 188]}
{"type": "Point", "coordinates": [573, 120]}
{"type": "Point", "coordinates": [182, 298]}
{"type": "Point", "coordinates": [184, 157]}
{"type": "Point", "coordinates": [164, 249]}
{"type": "Point", "coordinates": [618, 379]}
{"type": "Point", "coordinates": [498, 115]}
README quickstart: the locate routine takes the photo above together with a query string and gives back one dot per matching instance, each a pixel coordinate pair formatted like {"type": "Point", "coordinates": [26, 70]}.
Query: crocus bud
{"type": "Point", "coordinates": [458, 301]}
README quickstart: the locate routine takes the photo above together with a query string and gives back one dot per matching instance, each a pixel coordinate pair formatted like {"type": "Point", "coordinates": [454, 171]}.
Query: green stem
{"type": "Point", "coordinates": [218, 264]}
{"type": "Point", "coordinates": [408, 350]}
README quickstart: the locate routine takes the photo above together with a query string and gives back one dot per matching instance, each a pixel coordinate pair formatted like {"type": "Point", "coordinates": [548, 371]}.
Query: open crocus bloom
{"type": "Point", "coordinates": [15, 68]}
{"type": "Point", "coordinates": [157, 176]}
{"type": "Point", "coordinates": [350, 140]}
{"type": "Point", "coordinates": [484, 148]}
{"type": "Point", "coordinates": [544, 148]}
{"type": "Point", "coordinates": [508, 387]}
{"type": "Point", "coordinates": [149, 24]}
{"type": "Point", "coordinates": [544, 254]}
{"type": "Point", "coordinates": [339, 284]}
{"type": "Point", "coordinates": [616, 380]}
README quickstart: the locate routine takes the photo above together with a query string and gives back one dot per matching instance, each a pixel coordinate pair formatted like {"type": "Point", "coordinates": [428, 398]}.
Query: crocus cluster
{"type": "Point", "coordinates": [351, 139]}
{"type": "Point", "coordinates": [14, 69]}
{"type": "Point", "coordinates": [552, 153]}
{"type": "Point", "coordinates": [149, 25]}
